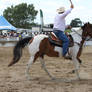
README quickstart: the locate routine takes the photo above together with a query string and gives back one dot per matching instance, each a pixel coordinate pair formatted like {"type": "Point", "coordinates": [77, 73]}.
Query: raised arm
{"type": "Point", "coordinates": [69, 10]}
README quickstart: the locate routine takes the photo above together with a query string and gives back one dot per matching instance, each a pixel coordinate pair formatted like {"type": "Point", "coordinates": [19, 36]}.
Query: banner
{"type": "Point", "coordinates": [41, 17]}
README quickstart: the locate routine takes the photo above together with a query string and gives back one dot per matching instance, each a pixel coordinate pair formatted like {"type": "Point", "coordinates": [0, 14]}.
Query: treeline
{"type": "Point", "coordinates": [23, 16]}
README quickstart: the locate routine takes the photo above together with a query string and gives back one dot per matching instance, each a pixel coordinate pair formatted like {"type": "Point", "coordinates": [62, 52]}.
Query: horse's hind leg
{"type": "Point", "coordinates": [44, 67]}
{"type": "Point", "coordinates": [31, 61]}
{"type": "Point", "coordinates": [28, 67]}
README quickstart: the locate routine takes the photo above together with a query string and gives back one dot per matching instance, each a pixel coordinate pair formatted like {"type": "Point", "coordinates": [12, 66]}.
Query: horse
{"type": "Point", "coordinates": [39, 46]}
{"type": "Point", "coordinates": [87, 32]}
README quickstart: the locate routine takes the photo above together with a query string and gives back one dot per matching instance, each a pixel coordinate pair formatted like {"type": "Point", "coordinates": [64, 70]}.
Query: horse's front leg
{"type": "Point", "coordinates": [77, 67]}
{"type": "Point", "coordinates": [73, 52]}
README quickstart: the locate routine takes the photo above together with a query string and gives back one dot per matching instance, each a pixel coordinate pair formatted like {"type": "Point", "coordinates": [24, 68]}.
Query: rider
{"type": "Point", "coordinates": [59, 27]}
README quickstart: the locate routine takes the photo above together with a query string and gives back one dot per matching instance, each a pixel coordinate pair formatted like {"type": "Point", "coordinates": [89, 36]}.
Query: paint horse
{"type": "Point", "coordinates": [87, 31]}
{"type": "Point", "coordinates": [39, 46]}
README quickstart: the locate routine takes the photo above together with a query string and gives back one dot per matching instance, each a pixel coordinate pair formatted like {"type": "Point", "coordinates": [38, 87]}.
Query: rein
{"type": "Point", "coordinates": [77, 33]}
{"type": "Point", "coordinates": [77, 43]}
{"type": "Point", "coordinates": [81, 35]}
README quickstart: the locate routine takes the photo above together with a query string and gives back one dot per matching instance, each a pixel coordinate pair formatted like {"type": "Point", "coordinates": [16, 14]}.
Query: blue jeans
{"type": "Point", "coordinates": [64, 38]}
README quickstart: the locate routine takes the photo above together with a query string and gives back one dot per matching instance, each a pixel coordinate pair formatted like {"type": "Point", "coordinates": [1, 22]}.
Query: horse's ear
{"type": "Point", "coordinates": [83, 23]}
{"type": "Point", "coordinates": [88, 22]}
{"type": "Point", "coordinates": [82, 27]}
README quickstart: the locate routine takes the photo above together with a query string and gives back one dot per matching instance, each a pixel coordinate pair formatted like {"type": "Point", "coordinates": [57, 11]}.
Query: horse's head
{"type": "Point", "coordinates": [87, 30]}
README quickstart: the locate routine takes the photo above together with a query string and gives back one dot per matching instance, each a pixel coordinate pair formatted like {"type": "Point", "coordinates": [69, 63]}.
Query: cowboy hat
{"type": "Point", "coordinates": [61, 10]}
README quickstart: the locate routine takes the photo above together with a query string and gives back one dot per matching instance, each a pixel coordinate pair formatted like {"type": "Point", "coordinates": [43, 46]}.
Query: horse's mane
{"type": "Point", "coordinates": [88, 23]}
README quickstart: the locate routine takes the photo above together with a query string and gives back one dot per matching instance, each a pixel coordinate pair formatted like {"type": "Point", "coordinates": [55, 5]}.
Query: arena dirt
{"type": "Point", "coordinates": [13, 79]}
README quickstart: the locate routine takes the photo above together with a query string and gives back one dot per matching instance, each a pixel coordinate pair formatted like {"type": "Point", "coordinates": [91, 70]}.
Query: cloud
{"type": "Point", "coordinates": [77, 0]}
{"type": "Point", "coordinates": [81, 8]}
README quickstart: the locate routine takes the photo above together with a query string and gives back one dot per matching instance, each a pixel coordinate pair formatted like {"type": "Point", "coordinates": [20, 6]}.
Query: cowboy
{"type": "Point", "coordinates": [59, 27]}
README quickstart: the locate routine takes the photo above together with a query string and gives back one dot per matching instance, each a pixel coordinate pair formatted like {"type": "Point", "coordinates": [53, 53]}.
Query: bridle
{"type": "Point", "coordinates": [78, 35]}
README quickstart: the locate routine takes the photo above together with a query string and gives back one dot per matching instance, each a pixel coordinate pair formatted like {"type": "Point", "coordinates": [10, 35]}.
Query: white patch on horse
{"type": "Point", "coordinates": [77, 34]}
{"type": "Point", "coordinates": [34, 46]}
{"type": "Point", "coordinates": [59, 50]}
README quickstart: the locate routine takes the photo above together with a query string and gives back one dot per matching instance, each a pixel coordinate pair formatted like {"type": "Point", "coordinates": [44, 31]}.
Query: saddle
{"type": "Point", "coordinates": [54, 40]}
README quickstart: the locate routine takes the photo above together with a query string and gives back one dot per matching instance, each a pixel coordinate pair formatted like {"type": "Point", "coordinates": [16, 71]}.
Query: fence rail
{"type": "Point", "coordinates": [9, 39]}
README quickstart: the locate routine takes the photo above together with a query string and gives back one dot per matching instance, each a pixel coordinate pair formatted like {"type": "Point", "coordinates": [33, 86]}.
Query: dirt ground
{"type": "Point", "coordinates": [13, 79]}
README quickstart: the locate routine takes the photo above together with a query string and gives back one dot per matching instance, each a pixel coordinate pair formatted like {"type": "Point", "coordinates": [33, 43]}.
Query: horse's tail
{"type": "Point", "coordinates": [17, 51]}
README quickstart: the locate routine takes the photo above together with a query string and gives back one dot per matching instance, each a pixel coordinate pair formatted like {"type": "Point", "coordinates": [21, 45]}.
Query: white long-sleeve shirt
{"type": "Point", "coordinates": [59, 21]}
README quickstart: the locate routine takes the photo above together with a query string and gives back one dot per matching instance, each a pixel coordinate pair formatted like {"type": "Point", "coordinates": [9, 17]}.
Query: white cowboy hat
{"type": "Point", "coordinates": [61, 9]}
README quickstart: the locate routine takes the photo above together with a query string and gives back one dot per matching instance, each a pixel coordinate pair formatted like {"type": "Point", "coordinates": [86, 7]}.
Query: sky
{"type": "Point", "coordinates": [82, 9]}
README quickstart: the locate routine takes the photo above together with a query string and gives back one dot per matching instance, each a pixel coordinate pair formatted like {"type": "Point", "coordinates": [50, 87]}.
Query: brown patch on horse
{"type": "Point", "coordinates": [36, 56]}
{"type": "Point", "coordinates": [80, 49]}
{"type": "Point", "coordinates": [87, 31]}
{"type": "Point", "coordinates": [31, 40]}
{"type": "Point", "coordinates": [47, 48]}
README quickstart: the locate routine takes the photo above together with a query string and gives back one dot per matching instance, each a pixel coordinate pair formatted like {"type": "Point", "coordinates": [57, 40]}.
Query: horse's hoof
{"type": "Point", "coordinates": [73, 71]}
{"type": "Point", "coordinates": [53, 78]}
{"type": "Point", "coordinates": [79, 78]}
{"type": "Point", "coordinates": [28, 78]}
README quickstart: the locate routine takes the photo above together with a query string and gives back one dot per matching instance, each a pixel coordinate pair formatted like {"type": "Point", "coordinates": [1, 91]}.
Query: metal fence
{"type": "Point", "coordinates": [9, 39]}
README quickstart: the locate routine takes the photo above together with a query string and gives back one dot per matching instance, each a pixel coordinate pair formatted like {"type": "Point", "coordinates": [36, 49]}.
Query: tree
{"type": "Point", "coordinates": [21, 16]}
{"type": "Point", "coordinates": [76, 22]}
